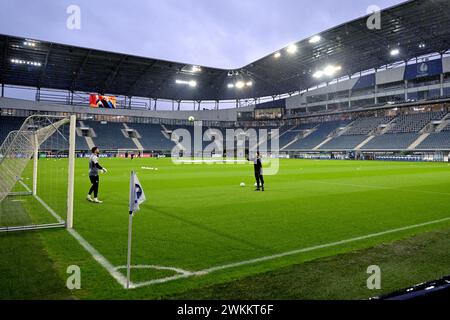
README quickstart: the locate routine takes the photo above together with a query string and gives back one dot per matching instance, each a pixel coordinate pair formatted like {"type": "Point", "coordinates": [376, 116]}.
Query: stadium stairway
{"type": "Point", "coordinates": [340, 131]}
{"type": "Point", "coordinates": [421, 139]}
{"type": "Point", "coordinates": [323, 143]}
{"type": "Point", "coordinates": [135, 140]}
{"type": "Point", "coordinates": [83, 142]}
{"type": "Point", "coordinates": [308, 131]}
{"type": "Point", "coordinates": [360, 146]}
{"type": "Point", "coordinates": [445, 123]}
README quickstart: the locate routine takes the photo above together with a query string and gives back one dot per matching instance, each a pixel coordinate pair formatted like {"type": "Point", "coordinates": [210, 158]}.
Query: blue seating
{"type": "Point", "coordinates": [109, 136]}
{"type": "Point", "coordinates": [344, 143]}
{"type": "Point", "coordinates": [396, 141]}
{"type": "Point", "coordinates": [318, 136]}
{"type": "Point", "coordinates": [152, 137]}
{"type": "Point", "coordinates": [440, 140]}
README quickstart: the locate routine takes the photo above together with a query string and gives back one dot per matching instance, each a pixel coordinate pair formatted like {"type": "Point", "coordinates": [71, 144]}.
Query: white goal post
{"type": "Point", "coordinates": [40, 136]}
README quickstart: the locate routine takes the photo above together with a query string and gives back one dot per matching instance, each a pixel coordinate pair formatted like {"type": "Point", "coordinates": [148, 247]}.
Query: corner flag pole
{"type": "Point", "coordinates": [137, 197]}
{"type": "Point", "coordinates": [130, 229]}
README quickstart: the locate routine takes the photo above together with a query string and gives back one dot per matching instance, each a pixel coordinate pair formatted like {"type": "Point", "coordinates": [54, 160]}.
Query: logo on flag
{"type": "Point", "coordinates": [137, 195]}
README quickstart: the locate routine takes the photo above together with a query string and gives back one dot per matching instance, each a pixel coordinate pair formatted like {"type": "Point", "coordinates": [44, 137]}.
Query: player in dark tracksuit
{"type": "Point", "coordinates": [258, 172]}
{"type": "Point", "coordinates": [94, 167]}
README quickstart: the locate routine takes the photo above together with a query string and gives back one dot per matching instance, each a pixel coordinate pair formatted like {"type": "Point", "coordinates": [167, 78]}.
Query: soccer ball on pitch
{"type": "Point", "coordinates": [242, 184]}
{"type": "Point", "coordinates": [191, 119]}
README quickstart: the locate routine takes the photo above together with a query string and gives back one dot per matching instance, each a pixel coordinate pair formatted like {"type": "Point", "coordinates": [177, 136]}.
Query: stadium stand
{"type": "Point", "coordinates": [152, 137]}
{"type": "Point", "coordinates": [344, 142]}
{"type": "Point", "coordinates": [404, 131]}
{"type": "Point", "coordinates": [436, 141]}
{"type": "Point", "coordinates": [81, 143]}
{"type": "Point", "coordinates": [8, 124]}
{"type": "Point", "coordinates": [399, 141]}
{"type": "Point", "coordinates": [320, 133]}
{"type": "Point", "coordinates": [356, 134]}
{"type": "Point", "coordinates": [389, 133]}
{"type": "Point", "coordinates": [296, 132]}
{"type": "Point", "coordinates": [366, 125]}
{"type": "Point", "coordinates": [414, 122]}
{"type": "Point", "coordinates": [110, 136]}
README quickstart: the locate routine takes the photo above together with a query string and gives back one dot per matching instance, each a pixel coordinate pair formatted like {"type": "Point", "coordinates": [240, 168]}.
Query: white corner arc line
{"type": "Point", "coordinates": [177, 270]}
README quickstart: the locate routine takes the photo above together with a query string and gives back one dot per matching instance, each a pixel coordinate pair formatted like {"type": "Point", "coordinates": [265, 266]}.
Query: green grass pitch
{"type": "Point", "coordinates": [198, 217]}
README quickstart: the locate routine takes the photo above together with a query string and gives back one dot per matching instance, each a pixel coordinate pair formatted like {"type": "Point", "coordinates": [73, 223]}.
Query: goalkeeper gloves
{"type": "Point", "coordinates": [104, 170]}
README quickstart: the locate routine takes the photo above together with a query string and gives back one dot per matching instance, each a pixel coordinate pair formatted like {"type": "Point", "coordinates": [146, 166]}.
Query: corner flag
{"type": "Point", "coordinates": [137, 195]}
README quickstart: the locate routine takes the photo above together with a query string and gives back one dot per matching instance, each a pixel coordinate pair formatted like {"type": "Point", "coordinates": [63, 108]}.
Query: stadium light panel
{"type": "Point", "coordinates": [249, 83]}
{"type": "Point", "coordinates": [277, 55]}
{"type": "Point", "coordinates": [196, 69]}
{"type": "Point", "coordinates": [29, 44]}
{"type": "Point", "coordinates": [315, 39]}
{"type": "Point", "coordinates": [240, 84]}
{"type": "Point", "coordinates": [422, 46]}
{"type": "Point", "coordinates": [395, 52]}
{"type": "Point", "coordinates": [318, 74]}
{"type": "Point", "coordinates": [328, 71]}
{"type": "Point", "coordinates": [191, 83]}
{"type": "Point", "coordinates": [230, 85]}
{"type": "Point", "coordinates": [30, 63]}
{"type": "Point", "coordinates": [292, 49]}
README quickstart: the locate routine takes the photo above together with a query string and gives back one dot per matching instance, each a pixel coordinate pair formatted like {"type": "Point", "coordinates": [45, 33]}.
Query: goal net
{"type": "Point", "coordinates": [36, 174]}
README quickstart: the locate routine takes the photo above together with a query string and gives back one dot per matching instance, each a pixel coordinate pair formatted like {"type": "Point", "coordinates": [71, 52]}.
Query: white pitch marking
{"type": "Point", "coordinates": [177, 270]}
{"type": "Point", "coordinates": [94, 253]}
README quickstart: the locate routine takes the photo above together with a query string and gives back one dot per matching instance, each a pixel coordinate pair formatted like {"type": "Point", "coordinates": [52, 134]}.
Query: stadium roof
{"type": "Point", "coordinates": [414, 28]}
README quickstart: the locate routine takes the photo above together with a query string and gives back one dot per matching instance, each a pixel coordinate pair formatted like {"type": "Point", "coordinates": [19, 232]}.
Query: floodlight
{"type": "Point", "coordinates": [318, 74]}
{"type": "Point", "coordinates": [292, 49]}
{"type": "Point", "coordinates": [240, 84]}
{"type": "Point", "coordinates": [277, 55]}
{"type": "Point", "coordinates": [315, 39]}
{"type": "Point", "coordinates": [191, 83]}
{"type": "Point", "coordinates": [329, 71]}
{"type": "Point", "coordinates": [395, 52]}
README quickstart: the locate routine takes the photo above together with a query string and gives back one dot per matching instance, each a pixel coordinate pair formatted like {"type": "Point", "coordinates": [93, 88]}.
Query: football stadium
{"type": "Point", "coordinates": [318, 172]}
